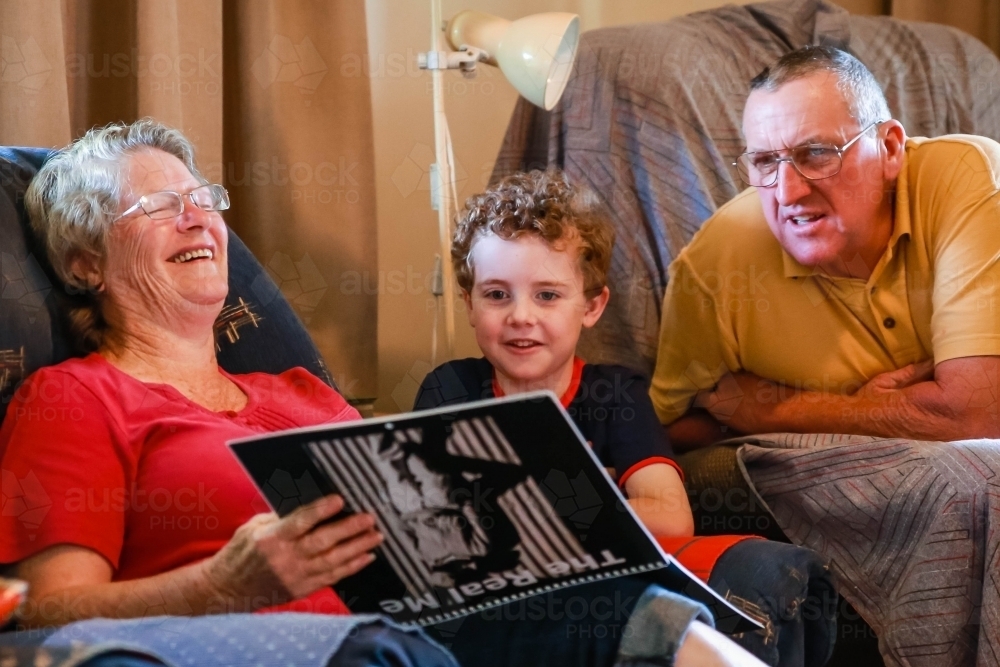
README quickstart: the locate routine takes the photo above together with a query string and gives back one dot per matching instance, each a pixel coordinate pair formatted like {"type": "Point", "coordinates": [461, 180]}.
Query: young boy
{"type": "Point", "coordinates": [531, 255]}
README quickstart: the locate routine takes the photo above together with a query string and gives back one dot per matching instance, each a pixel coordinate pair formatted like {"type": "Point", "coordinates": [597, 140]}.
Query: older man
{"type": "Point", "coordinates": [853, 289]}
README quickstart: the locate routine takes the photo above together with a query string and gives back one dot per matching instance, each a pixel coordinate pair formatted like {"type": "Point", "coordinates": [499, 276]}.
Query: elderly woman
{"type": "Point", "coordinates": [148, 509]}
{"type": "Point", "coordinates": [148, 512]}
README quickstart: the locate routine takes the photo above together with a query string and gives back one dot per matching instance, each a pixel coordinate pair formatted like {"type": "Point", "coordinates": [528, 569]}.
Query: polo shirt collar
{"type": "Point", "coordinates": [901, 207]}
{"type": "Point", "coordinates": [792, 267]}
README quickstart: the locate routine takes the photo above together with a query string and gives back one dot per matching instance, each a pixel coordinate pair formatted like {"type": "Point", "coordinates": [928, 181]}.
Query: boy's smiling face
{"type": "Point", "coordinates": [528, 307]}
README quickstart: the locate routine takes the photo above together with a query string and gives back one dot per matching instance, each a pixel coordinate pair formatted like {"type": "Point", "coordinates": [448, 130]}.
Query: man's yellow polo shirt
{"type": "Point", "coordinates": [736, 301]}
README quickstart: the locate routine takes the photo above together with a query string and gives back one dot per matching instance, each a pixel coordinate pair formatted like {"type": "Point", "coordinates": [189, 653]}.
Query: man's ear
{"type": "Point", "coordinates": [595, 307]}
{"type": "Point", "coordinates": [86, 269]}
{"type": "Point", "coordinates": [893, 146]}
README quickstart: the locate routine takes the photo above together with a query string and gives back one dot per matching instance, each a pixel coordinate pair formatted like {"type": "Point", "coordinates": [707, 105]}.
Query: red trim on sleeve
{"type": "Point", "coordinates": [648, 462]}
{"type": "Point", "coordinates": [568, 395]}
{"type": "Point", "coordinates": [700, 554]}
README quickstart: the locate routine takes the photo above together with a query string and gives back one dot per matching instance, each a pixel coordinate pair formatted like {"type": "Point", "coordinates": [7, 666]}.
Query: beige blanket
{"type": "Point", "coordinates": [912, 530]}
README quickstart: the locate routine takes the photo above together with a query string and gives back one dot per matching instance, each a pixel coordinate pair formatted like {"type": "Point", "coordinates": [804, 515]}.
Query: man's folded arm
{"type": "Point", "coordinates": [954, 400]}
{"type": "Point", "coordinates": [693, 354]}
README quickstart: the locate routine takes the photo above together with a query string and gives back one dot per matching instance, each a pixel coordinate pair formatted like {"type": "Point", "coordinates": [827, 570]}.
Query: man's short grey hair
{"type": "Point", "coordinates": [857, 85]}
{"type": "Point", "coordinates": [78, 192]}
{"type": "Point", "coordinates": [76, 196]}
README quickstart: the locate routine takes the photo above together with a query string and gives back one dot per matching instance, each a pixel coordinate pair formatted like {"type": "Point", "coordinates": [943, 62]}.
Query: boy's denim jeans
{"type": "Point", "coordinates": [789, 590]}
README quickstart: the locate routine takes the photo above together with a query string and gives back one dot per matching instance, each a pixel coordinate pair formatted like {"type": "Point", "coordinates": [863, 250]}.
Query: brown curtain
{"type": "Point", "coordinates": [256, 87]}
{"type": "Point", "coordinates": [301, 169]}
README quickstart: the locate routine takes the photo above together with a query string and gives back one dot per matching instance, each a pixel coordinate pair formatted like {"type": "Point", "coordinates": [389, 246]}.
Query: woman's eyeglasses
{"type": "Point", "coordinates": [167, 204]}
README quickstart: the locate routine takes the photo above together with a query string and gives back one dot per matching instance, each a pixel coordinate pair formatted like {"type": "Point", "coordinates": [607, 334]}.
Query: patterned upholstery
{"type": "Point", "coordinates": [257, 330]}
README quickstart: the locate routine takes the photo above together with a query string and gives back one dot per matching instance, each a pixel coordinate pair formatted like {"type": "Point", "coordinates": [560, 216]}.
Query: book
{"type": "Point", "coordinates": [480, 504]}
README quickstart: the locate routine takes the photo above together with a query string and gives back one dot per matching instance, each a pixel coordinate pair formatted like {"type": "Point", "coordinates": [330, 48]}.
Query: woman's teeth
{"type": "Point", "coordinates": [194, 254]}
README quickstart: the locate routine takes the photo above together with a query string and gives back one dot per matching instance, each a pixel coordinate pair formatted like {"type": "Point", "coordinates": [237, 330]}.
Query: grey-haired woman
{"type": "Point", "coordinates": [147, 508]}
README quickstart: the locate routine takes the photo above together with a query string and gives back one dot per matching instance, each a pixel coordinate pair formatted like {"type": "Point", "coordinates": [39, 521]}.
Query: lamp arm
{"type": "Point", "coordinates": [464, 59]}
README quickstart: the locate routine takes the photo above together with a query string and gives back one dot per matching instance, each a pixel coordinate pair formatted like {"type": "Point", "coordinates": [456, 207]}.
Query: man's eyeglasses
{"type": "Point", "coordinates": [167, 204]}
{"type": "Point", "coordinates": [813, 161]}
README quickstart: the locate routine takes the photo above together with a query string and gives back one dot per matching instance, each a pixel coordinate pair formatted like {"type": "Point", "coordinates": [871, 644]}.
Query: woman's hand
{"type": "Point", "coordinates": [271, 561]}
{"type": "Point", "coordinates": [268, 561]}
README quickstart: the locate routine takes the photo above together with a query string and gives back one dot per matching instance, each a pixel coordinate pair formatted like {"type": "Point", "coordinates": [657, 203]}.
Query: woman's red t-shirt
{"type": "Point", "coordinates": [92, 457]}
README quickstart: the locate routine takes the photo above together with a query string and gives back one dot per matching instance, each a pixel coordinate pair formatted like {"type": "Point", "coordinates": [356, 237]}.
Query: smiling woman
{"type": "Point", "coordinates": [132, 227]}
{"type": "Point", "coordinates": [85, 203]}
{"type": "Point", "coordinates": [168, 260]}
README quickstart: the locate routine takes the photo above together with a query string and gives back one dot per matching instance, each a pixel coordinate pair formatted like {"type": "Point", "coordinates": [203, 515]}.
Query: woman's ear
{"type": "Point", "coordinates": [86, 269]}
{"type": "Point", "coordinates": [595, 307]}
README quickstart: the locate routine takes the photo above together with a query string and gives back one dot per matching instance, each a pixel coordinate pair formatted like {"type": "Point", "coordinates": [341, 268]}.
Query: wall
{"type": "Point", "coordinates": [478, 111]}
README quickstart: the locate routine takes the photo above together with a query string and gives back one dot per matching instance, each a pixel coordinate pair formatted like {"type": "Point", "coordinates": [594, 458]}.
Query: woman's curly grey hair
{"type": "Point", "coordinates": [540, 203]}
{"type": "Point", "coordinates": [77, 194]}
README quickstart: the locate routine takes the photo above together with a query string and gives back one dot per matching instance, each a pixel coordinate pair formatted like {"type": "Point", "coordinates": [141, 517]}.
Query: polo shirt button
{"type": "Point", "coordinates": [232, 413]}
{"type": "Point", "coordinates": [889, 323]}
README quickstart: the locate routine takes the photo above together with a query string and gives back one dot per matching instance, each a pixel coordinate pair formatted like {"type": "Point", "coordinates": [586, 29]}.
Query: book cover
{"type": "Point", "coordinates": [480, 504]}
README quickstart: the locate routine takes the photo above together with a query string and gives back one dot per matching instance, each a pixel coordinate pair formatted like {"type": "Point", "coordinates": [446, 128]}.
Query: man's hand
{"type": "Point", "coordinates": [742, 401]}
{"type": "Point", "coordinates": [748, 402]}
{"type": "Point", "coordinates": [891, 381]}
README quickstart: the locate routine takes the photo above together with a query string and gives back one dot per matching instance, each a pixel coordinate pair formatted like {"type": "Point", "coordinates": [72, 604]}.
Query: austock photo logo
{"type": "Point", "coordinates": [23, 63]}
{"type": "Point", "coordinates": [24, 283]}
{"type": "Point", "coordinates": [24, 498]}
{"type": "Point", "coordinates": [286, 493]}
{"type": "Point", "coordinates": [573, 499]}
{"type": "Point", "coordinates": [300, 282]}
{"type": "Point", "coordinates": [283, 61]}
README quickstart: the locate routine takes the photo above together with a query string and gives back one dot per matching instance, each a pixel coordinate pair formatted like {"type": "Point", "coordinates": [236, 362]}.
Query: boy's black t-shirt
{"type": "Point", "coordinates": [611, 407]}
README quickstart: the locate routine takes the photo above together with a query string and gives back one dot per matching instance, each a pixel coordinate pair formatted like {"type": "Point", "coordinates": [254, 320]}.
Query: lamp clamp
{"type": "Point", "coordinates": [464, 59]}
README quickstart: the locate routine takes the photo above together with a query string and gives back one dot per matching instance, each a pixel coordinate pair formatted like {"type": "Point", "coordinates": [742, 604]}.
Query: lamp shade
{"type": "Point", "coordinates": [535, 53]}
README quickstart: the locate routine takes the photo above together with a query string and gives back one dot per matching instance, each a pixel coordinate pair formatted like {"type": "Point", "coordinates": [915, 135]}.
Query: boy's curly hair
{"type": "Point", "coordinates": [543, 203]}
